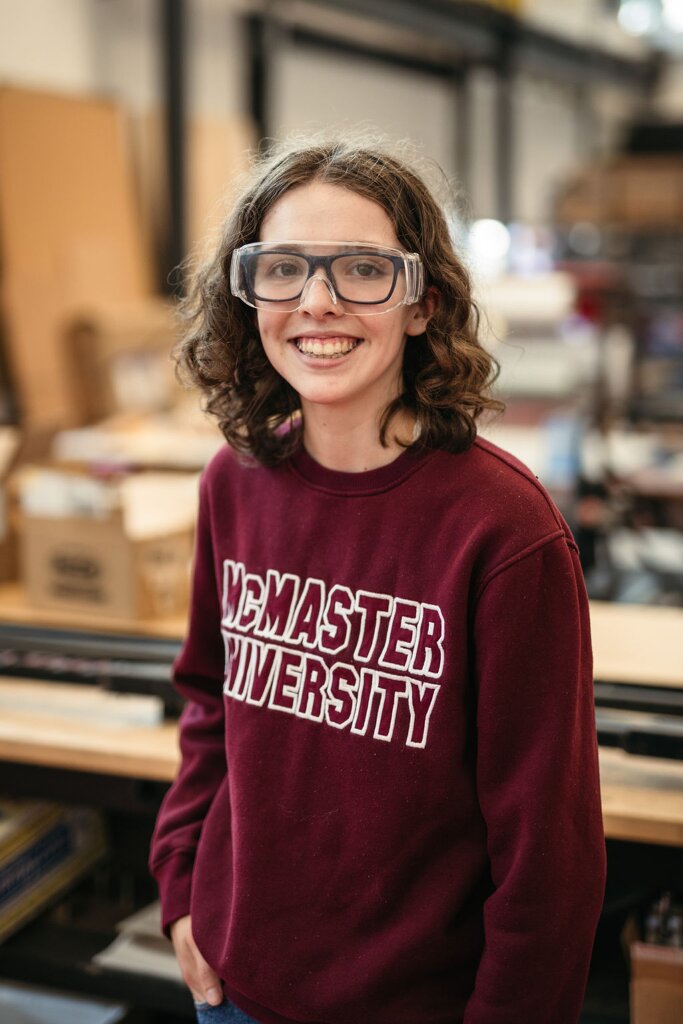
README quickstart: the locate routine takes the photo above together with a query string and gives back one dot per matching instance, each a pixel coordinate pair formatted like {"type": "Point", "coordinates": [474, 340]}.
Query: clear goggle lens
{"type": "Point", "coordinates": [366, 279]}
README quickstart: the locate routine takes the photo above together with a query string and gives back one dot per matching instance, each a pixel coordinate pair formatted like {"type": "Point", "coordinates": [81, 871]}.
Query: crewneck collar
{"type": "Point", "coordinates": [372, 481]}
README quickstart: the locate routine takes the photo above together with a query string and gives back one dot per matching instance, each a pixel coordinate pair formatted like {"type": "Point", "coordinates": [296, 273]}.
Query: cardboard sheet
{"type": "Point", "coordinates": [69, 235]}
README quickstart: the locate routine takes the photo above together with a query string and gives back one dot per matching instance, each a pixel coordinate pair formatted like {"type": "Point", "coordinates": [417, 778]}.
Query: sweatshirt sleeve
{"type": "Point", "coordinates": [539, 791]}
{"type": "Point", "coordinates": [198, 675]}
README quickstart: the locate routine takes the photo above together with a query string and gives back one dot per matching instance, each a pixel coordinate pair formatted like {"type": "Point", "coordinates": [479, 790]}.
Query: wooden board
{"type": "Point", "coordinates": [642, 797]}
{"type": "Point", "coordinates": [217, 153]}
{"type": "Point", "coordinates": [89, 743]}
{"type": "Point", "coordinates": [638, 644]}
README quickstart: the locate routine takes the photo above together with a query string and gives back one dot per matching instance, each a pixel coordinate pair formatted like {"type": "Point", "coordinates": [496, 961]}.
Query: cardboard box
{"type": "Point", "coordinates": [637, 191]}
{"type": "Point", "coordinates": [587, 196]}
{"type": "Point", "coordinates": [121, 357]}
{"type": "Point", "coordinates": [94, 567]}
{"type": "Point", "coordinates": [116, 548]}
{"type": "Point", "coordinates": [9, 447]}
{"type": "Point", "coordinates": [656, 984]}
{"type": "Point", "coordinates": [16, 448]}
{"type": "Point", "coordinates": [648, 190]}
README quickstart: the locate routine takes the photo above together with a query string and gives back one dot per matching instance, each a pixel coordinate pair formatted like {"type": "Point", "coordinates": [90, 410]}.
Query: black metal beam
{"type": "Point", "coordinates": [505, 135]}
{"type": "Point", "coordinates": [476, 31]}
{"type": "Point", "coordinates": [350, 48]}
{"type": "Point", "coordinates": [173, 32]}
{"type": "Point", "coordinates": [256, 39]}
{"type": "Point", "coordinates": [462, 141]}
{"type": "Point", "coordinates": [438, 20]}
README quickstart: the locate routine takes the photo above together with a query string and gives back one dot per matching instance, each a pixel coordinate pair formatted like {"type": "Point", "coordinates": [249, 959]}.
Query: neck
{"type": "Point", "coordinates": [352, 446]}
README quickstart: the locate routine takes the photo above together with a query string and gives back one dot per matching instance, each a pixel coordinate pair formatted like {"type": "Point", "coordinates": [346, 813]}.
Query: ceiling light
{"type": "Point", "coordinates": [672, 15]}
{"type": "Point", "coordinates": [638, 17]}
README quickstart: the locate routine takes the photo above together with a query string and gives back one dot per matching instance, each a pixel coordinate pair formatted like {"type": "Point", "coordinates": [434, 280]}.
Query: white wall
{"type": "Point", "coordinates": [216, 69]}
{"type": "Point", "coordinates": [549, 144]}
{"type": "Point", "coordinates": [312, 89]}
{"type": "Point", "coordinates": [482, 143]}
{"type": "Point", "coordinates": [44, 43]}
{"type": "Point", "coordinates": [112, 47]}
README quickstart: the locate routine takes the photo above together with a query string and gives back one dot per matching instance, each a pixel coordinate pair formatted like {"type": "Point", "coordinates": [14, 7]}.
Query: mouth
{"type": "Point", "coordinates": [327, 347]}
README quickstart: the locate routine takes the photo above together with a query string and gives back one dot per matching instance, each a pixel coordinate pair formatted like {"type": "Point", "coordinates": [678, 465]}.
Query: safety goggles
{"type": "Point", "coordinates": [366, 279]}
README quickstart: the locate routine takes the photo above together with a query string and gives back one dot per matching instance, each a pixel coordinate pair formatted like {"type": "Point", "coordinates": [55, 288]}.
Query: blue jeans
{"type": "Point", "coordinates": [225, 1013]}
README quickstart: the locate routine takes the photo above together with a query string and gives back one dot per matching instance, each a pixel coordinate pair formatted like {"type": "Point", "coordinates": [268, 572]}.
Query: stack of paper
{"type": "Point", "coordinates": [141, 947]}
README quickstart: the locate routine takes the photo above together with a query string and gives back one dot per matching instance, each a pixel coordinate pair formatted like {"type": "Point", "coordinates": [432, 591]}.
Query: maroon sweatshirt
{"type": "Point", "coordinates": [388, 810]}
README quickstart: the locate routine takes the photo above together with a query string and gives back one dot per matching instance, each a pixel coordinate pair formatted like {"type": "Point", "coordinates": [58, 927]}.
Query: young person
{"type": "Point", "coordinates": [388, 808]}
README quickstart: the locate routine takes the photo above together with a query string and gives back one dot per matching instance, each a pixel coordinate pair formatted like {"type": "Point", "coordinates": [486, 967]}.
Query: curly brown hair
{"type": "Point", "coordinates": [447, 373]}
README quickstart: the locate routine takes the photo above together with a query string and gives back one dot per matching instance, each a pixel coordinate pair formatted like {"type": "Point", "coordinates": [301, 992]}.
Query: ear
{"type": "Point", "coordinates": [422, 312]}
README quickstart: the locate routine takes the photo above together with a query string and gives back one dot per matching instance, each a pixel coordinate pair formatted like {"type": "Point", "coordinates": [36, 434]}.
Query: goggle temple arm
{"type": "Point", "coordinates": [236, 288]}
{"type": "Point", "coordinates": [415, 278]}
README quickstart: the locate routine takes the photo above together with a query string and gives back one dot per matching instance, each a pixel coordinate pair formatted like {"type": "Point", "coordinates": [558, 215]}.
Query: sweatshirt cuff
{"type": "Point", "coordinates": [174, 878]}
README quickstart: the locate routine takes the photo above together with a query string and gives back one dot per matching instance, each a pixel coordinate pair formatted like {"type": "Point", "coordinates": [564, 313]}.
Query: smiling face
{"type": "Point", "coordinates": [329, 357]}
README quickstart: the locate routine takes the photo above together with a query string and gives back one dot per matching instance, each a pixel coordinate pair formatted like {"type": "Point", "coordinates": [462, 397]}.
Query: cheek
{"type": "Point", "coordinates": [410, 325]}
{"type": "Point", "coordinates": [274, 346]}
{"type": "Point", "coordinates": [262, 324]}
{"type": "Point", "coordinates": [391, 338]}
{"type": "Point", "coordinates": [268, 331]}
{"type": "Point", "coordinates": [271, 350]}
{"type": "Point", "coordinates": [272, 326]}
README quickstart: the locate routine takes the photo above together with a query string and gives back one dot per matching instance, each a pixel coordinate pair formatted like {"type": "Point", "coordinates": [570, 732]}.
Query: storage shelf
{"type": "Point", "coordinates": [60, 956]}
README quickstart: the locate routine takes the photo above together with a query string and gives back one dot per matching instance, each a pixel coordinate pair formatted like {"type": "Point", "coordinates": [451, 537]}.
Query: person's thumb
{"type": "Point", "coordinates": [210, 985]}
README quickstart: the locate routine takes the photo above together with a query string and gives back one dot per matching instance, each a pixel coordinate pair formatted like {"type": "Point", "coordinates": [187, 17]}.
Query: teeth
{"type": "Point", "coordinates": [328, 349]}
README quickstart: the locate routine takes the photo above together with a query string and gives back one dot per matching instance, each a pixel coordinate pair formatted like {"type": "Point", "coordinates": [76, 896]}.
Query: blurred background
{"type": "Point", "coordinates": [124, 126]}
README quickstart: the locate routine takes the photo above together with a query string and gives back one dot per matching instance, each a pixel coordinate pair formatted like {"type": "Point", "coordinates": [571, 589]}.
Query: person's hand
{"type": "Point", "coordinates": [203, 983]}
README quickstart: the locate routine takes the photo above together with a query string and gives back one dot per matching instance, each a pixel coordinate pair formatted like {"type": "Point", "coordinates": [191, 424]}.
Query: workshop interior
{"type": "Point", "coordinates": [555, 130]}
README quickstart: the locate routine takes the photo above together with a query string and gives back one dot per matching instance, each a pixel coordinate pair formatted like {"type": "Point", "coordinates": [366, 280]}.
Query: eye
{"type": "Point", "coordinates": [366, 268]}
{"type": "Point", "coordinates": [284, 268]}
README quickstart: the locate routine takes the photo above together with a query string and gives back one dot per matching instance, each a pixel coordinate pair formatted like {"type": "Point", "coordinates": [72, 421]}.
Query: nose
{"type": "Point", "coordinates": [318, 297]}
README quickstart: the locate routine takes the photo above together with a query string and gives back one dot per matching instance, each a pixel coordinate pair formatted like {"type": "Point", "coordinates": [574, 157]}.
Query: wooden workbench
{"type": "Point", "coordinates": [642, 797]}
